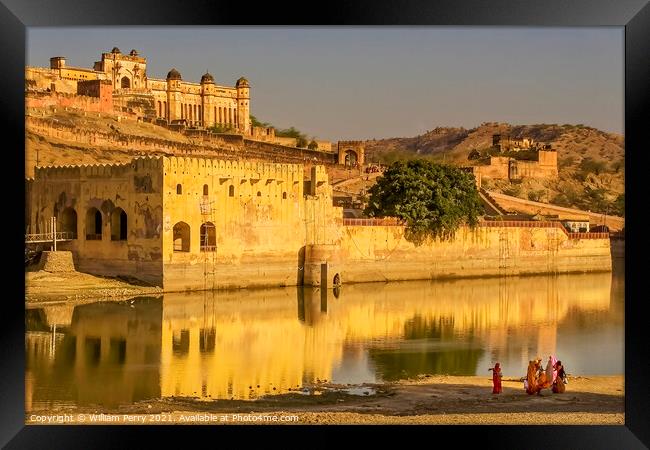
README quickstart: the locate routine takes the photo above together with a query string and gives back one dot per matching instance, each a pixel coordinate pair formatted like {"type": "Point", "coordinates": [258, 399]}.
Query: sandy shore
{"type": "Point", "coordinates": [41, 286]}
{"type": "Point", "coordinates": [590, 400]}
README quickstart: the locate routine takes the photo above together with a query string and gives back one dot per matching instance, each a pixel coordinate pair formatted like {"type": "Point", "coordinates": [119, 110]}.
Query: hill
{"type": "Point", "coordinates": [591, 162]}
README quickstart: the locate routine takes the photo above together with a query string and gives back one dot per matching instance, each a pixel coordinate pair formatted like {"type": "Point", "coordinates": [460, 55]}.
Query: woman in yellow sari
{"type": "Point", "coordinates": [531, 378]}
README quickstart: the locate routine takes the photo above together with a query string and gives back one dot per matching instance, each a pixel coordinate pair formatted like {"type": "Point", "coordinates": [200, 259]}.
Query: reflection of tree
{"type": "Point", "coordinates": [422, 328]}
{"type": "Point", "coordinates": [434, 328]}
{"type": "Point", "coordinates": [398, 364]}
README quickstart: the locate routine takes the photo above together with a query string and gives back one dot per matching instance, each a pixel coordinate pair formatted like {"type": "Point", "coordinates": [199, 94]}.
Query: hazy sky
{"type": "Point", "coordinates": [374, 82]}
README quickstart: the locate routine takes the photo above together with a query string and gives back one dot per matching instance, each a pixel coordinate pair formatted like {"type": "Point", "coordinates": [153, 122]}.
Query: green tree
{"type": "Point", "coordinates": [301, 142]}
{"type": "Point", "coordinates": [433, 199]}
{"type": "Point", "coordinates": [290, 132]}
{"type": "Point", "coordinates": [619, 205]}
{"type": "Point", "coordinates": [257, 123]}
{"type": "Point", "coordinates": [313, 145]}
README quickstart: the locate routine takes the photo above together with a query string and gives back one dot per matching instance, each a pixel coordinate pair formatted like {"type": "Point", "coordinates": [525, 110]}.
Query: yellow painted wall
{"type": "Point", "coordinates": [382, 253]}
{"type": "Point", "coordinates": [259, 238]}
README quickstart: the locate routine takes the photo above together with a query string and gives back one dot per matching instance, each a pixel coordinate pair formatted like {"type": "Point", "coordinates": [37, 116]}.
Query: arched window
{"type": "Point", "coordinates": [284, 196]}
{"type": "Point", "coordinates": [179, 189]}
{"type": "Point", "coordinates": [220, 115]}
{"type": "Point", "coordinates": [125, 83]}
{"type": "Point", "coordinates": [205, 189]}
{"type": "Point", "coordinates": [215, 115]}
{"type": "Point", "coordinates": [181, 237]}
{"type": "Point", "coordinates": [165, 111]}
{"type": "Point", "coordinates": [93, 225]}
{"type": "Point", "coordinates": [67, 222]}
{"type": "Point", "coordinates": [231, 191]}
{"type": "Point", "coordinates": [159, 109]}
{"type": "Point", "coordinates": [118, 225]}
{"type": "Point", "coordinates": [259, 194]}
{"type": "Point", "coordinates": [235, 112]}
{"type": "Point", "coordinates": [208, 237]}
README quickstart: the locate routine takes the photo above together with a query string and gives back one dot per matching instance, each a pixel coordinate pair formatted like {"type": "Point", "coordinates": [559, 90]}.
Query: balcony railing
{"type": "Point", "coordinates": [49, 237]}
{"type": "Point", "coordinates": [393, 221]}
{"type": "Point", "coordinates": [387, 221]}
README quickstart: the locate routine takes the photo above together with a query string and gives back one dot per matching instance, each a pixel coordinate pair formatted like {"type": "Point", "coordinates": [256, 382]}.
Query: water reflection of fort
{"type": "Point", "coordinates": [226, 344]}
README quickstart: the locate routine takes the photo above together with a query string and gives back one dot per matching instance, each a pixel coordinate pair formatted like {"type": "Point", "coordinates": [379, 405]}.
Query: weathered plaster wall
{"type": "Point", "coordinates": [259, 238]}
{"type": "Point", "coordinates": [134, 187]}
{"type": "Point", "coordinates": [62, 100]}
{"type": "Point", "coordinates": [381, 253]}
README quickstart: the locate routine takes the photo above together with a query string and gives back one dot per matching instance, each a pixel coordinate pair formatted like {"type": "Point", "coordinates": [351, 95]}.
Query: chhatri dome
{"type": "Point", "coordinates": [174, 75]}
{"type": "Point", "coordinates": [242, 82]}
{"type": "Point", "coordinates": [207, 78]}
{"type": "Point", "coordinates": [116, 50]}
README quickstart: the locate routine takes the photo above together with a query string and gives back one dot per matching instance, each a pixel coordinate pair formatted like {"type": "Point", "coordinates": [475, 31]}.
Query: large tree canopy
{"type": "Point", "coordinates": [434, 200]}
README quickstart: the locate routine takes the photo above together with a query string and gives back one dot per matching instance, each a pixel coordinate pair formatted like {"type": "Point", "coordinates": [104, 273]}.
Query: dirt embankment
{"type": "Point", "coordinates": [42, 286]}
{"type": "Point", "coordinates": [588, 400]}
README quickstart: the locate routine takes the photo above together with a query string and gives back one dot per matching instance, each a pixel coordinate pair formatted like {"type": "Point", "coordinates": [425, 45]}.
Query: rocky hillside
{"type": "Point", "coordinates": [591, 162]}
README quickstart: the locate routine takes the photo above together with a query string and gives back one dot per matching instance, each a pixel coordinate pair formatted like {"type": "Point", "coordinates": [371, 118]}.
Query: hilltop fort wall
{"type": "Point", "coordinates": [507, 168]}
{"type": "Point", "coordinates": [206, 144]}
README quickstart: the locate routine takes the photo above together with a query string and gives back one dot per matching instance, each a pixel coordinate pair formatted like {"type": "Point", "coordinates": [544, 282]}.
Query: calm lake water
{"type": "Point", "coordinates": [226, 344]}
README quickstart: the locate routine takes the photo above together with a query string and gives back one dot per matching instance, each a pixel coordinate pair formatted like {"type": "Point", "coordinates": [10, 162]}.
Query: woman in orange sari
{"type": "Point", "coordinates": [531, 378]}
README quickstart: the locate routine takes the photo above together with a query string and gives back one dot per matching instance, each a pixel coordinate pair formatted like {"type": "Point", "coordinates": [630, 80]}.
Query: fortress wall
{"type": "Point", "coordinates": [535, 169]}
{"type": "Point", "coordinates": [288, 141]}
{"type": "Point", "coordinates": [498, 168]}
{"type": "Point", "coordinates": [45, 127]}
{"type": "Point", "coordinates": [221, 146]}
{"type": "Point", "coordinates": [381, 253]}
{"type": "Point", "coordinates": [66, 192]}
{"type": "Point", "coordinates": [62, 100]}
{"type": "Point", "coordinates": [282, 151]}
{"type": "Point", "coordinates": [258, 237]}
{"type": "Point", "coordinates": [510, 203]}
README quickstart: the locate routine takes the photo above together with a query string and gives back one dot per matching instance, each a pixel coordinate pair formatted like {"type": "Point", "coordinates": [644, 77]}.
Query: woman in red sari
{"type": "Point", "coordinates": [558, 384]}
{"type": "Point", "coordinates": [496, 378]}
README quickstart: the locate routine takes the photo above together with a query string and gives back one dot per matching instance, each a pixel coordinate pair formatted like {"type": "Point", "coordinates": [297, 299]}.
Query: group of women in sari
{"type": "Point", "coordinates": [552, 376]}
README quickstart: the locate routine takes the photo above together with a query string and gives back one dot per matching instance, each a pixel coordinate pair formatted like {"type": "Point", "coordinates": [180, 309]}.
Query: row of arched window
{"type": "Point", "coordinates": [207, 237]}
{"type": "Point", "coordinates": [195, 113]}
{"type": "Point", "coordinates": [231, 191]}
{"type": "Point", "coordinates": [67, 222]}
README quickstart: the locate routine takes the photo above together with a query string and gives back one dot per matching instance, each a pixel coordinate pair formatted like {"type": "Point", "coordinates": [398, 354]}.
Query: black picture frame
{"type": "Point", "coordinates": [634, 15]}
